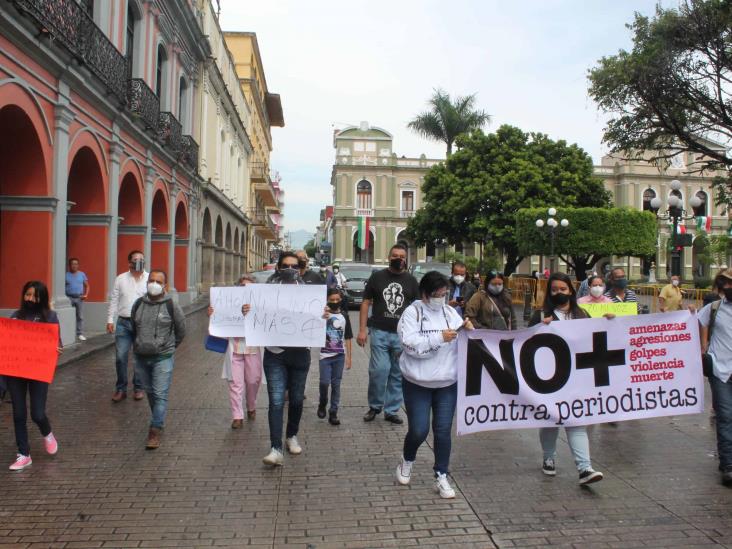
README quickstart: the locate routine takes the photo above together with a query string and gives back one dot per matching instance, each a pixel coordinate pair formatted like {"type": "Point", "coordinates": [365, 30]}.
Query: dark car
{"type": "Point", "coordinates": [356, 276]}
{"type": "Point", "coordinates": [418, 270]}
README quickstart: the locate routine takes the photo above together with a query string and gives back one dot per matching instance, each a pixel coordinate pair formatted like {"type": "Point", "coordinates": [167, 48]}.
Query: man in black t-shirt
{"type": "Point", "coordinates": [388, 292]}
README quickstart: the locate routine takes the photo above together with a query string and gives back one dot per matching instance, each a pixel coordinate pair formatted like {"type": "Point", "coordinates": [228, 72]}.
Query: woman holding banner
{"type": "Point", "coordinates": [34, 307]}
{"type": "Point", "coordinates": [429, 363]}
{"type": "Point", "coordinates": [597, 292]}
{"type": "Point", "coordinates": [560, 304]}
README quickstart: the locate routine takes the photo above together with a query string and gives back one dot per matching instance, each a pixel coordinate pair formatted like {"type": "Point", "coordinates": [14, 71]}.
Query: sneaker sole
{"type": "Point", "coordinates": [597, 477]}
{"type": "Point", "coordinates": [444, 496]}
{"type": "Point", "coordinates": [549, 473]}
{"type": "Point", "coordinates": [273, 463]}
{"type": "Point", "coordinates": [17, 469]}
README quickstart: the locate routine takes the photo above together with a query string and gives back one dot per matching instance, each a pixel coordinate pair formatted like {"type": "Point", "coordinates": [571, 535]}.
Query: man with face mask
{"type": "Point", "coordinates": [671, 296]}
{"type": "Point", "coordinates": [340, 278]}
{"type": "Point", "coordinates": [619, 291]}
{"type": "Point", "coordinates": [460, 289]}
{"type": "Point", "coordinates": [159, 327]}
{"type": "Point", "coordinates": [128, 287]}
{"type": "Point", "coordinates": [307, 275]}
{"type": "Point", "coordinates": [388, 292]}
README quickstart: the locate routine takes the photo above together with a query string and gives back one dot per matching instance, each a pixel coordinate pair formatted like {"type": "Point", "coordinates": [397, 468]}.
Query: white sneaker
{"type": "Point", "coordinates": [293, 446]}
{"type": "Point", "coordinates": [82, 338]}
{"type": "Point", "coordinates": [442, 485]}
{"type": "Point", "coordinates": [274, 457]}
{"type": "Point", "coordinates": [404, 472]}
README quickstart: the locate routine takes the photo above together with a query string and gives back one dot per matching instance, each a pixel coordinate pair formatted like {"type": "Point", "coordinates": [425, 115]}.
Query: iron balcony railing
{"type": "Point", "coordinates": [189, 152]}
{"type": "Point", "coordinates": [144, 103]}
{"type": "Point", "coordinates": [170, 132]}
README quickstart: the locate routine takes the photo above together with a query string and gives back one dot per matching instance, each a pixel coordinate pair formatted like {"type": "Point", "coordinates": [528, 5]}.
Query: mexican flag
{"type": "Point", "coordinates": [680, 228]}
{"type": "Point", "coordinates": [704, 223]}
{"type": "Point", "coordinates": [363, 232]}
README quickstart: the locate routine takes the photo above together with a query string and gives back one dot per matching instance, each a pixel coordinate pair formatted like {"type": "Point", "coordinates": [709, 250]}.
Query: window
{"type": "Point", "coordinates": [183, 104]}
{"type": "Point", "coordinates": [648, 195]}
{"type": "Point", "coordinates": [407, 201]}
{"type": "Point", "coordinates": [344, 151]}
{"type": "Point", "coordinates": [363, 192]}
{"type": "Point", "coordinates": [702, 209]}
{"type": "Point", "coordinates": [160, 72]}
{"type": "Point", "coordinates": [130, 46]}
{"type": "Point", "coordinates": [370, 146]}
{"type": "Point", "coordinates": [358, 146]}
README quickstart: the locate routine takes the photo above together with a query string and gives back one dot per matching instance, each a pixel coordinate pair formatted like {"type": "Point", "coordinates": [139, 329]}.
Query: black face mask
{"type": "Point", "coordinates": [334, 307]}
{"type": "Point", "coordinates": [31, 306]}
{"type": "Point", "coordinates": [620, 283]}
{"type": "Point", "coordinates": [288, 274]}
{"type": "Point", "coordinates": [397, 264]}
{"type": "Point", "coordinates": [559, 299]}
{"type": "Point", "coordinates": [728, 293]}
{"type": "Point", "coordinates": [138, 265]}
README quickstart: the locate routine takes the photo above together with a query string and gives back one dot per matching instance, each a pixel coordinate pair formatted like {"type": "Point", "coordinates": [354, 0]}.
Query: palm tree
{"type": "Point", "coordinates": [447, 119]}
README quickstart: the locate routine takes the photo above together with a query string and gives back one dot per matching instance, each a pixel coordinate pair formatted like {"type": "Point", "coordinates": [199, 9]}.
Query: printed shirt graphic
{"type": "Point", "coordinates": [337, 330]}
{"type": "Point", "coordinates": [390, 294]}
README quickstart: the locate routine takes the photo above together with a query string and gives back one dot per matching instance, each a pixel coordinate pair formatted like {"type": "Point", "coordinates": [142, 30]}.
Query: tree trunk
{"type": "Point", "coordinates": [512, 261]}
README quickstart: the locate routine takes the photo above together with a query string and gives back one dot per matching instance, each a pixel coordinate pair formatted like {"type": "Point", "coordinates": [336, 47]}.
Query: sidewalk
{"type": "Point", "coordinates": [206, 486]}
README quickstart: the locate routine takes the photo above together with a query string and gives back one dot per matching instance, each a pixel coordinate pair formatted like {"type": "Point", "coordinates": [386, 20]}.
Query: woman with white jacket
{"type": "Point", "coordinates": [428, 330]}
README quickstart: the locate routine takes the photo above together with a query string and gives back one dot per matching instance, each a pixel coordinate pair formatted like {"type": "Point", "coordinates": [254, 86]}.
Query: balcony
{"type": "Point", "coordinates": [406, 213]}
{"type": "Point", "coordinates": [259, 174]}
{"type": "Point", "coordinates": [189, 152]}
{"type": "Point", "coordinates": [363, 212]}
{"type": "Point", "coordinates": [144, 104]}
{"type": "Point", "coordinates": [263, 224]}
{"type": "Point", "coordinates": [170, 131]}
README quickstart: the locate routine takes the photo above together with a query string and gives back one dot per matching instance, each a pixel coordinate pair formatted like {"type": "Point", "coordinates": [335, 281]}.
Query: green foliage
{"type": "Point", "coordinates": [447, 119]}
{"type": "Point", "coordinates": [671, 92]}
{"type": "Point", "coordinates": [719, 248]}
{"type": "Point", "coordinates": [593, 233]}
{"type": "Point", "coordinates": [475, 194]}
{"type": "Point", "coordinates": [311, 248]}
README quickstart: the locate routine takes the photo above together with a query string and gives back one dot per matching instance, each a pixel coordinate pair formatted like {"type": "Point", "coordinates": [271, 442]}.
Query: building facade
{"type": "Point", "coordinates": [370, 181]}
{"type": "Point", "coordinates": [266, 112]}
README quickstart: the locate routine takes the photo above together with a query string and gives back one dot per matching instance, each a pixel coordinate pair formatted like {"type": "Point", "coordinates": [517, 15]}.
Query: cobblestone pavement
{"type": "Point", "coordinates": [206, 486]}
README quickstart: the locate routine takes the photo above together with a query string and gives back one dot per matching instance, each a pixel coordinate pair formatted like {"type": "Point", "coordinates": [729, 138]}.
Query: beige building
{"type": "Point", "coordinates": [266, 111]}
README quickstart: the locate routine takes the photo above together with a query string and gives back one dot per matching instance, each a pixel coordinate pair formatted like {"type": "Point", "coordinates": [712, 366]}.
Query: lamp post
{"type": "Point", "coordinates": [675, 213]}
{"type": "Point", "coordinates": [553, 226]}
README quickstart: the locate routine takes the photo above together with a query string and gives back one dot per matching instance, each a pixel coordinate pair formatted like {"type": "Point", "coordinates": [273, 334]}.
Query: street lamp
{"type": "Point", "coordinates": [675, 213]}
{"type": "Point", "coordinates": [553, 226]}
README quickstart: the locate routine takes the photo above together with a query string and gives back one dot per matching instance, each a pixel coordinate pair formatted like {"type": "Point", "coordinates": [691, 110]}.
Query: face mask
{"type": "Point", "coordinates": [495, 289]}
{"type": "Point", "coordinates": [728, 294]}
{"type": "Point", "coordinates": [154, 289]}
{"type": "Point", "coordinates": [597, 291]}
{"type": "Point", "coordinates": [436, 303]}
{"type": "Point", "coordinates": [559, 299]}
{"type": "Point", "coordinates": [302, 263]}
{"type": "Point", "coordinates": [675, 282]}
{"type": "Point", "coordinates": [397, 264]}
{"type": "Point", "coordinates": [322, 269]}
{"type": "Point", "coordinates": [459, 279]}
{"type": "Point", "coordinates": [138, 265]}
{"type": "Point", "coordinates": [31, 305]}
{"type": "Point", "coordinates": [621, 283]}
{"type": "Point", "coordinates": [289, 274]}
{"type": "Point", "coordinates": [335, 270]}
{"type": "Point", "coordinates": [334, 307]}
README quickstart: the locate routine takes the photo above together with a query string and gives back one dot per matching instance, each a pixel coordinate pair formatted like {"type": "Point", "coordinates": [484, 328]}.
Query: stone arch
{"type": "Point", "coordinates": [131, 210]}
{"type": "Point", "coordinates": [182, 236]}
{"type": "Point", "coordinates": [160, 246]}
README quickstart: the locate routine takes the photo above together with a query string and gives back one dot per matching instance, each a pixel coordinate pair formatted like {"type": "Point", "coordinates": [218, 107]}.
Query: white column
{"type": "Point", "coordinates": [171, 247]}
{"type": "Point", "coordinates": [115, 150]}
{"type": "Point", "coordinates": [149, 179]}
{"type": "Point", "coordinates": [193, 237]}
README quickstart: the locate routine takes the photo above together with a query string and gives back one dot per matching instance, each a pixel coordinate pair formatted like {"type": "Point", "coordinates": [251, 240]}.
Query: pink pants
{"type": "Point", "coordinates": [246, 371]}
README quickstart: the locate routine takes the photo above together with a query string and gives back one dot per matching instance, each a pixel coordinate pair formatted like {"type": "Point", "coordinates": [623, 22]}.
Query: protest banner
{"type": "Point", "coordinates": [28, 349]}
{"type": "Point", "coordinates": [580, 372]}
{"type": "Point", "coordinates": [597, 310]}
{"type": "Point", "coordinates": [281, 315]}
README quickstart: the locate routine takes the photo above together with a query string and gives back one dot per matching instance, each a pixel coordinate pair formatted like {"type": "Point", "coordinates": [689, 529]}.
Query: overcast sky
{"type": "Point", "coordinates": [338, 63]}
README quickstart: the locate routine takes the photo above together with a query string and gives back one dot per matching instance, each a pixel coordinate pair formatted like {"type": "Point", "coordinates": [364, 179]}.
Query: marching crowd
{"type": "Point", "coordinates": [411, 328]}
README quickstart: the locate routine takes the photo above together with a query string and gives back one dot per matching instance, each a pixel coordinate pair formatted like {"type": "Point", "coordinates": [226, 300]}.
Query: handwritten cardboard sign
{"type": "Point", "coordinates": [597, 310]}
{"type": "Point", "coordinates": [28, 349]}
{"type": "Point", "coordinates": [281, 315]}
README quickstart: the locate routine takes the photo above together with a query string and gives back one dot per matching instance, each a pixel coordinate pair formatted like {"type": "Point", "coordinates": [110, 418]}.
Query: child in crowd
{"type": "Point", "coordinates": [333, 357]}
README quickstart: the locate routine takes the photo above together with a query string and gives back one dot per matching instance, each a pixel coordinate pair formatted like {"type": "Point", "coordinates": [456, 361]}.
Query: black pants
{"type": "Point", "coordinates": [19, 387]}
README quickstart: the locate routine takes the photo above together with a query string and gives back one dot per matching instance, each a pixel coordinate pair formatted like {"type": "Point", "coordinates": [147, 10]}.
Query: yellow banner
{"type": "Point", "coordinates": [618, 309]}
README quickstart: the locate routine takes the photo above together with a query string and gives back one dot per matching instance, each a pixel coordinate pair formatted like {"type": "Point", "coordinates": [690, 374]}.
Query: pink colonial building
{"type": "Point", "coordinates": [96, 103]}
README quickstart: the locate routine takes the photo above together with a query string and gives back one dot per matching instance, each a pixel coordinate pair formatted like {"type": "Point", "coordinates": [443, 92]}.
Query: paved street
{"type": "Point", "coordinates": [206, 486]}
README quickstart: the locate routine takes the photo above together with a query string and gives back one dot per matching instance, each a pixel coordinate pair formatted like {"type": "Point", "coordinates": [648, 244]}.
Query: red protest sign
{"type": "Point", "coordinates": [28, 349]}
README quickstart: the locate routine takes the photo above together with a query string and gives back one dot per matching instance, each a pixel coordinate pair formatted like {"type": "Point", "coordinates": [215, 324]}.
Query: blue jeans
{"type": "Point", "coordinates": [577, 440]}
{"type": "Point", "coordinates": [419, 402]}
{"type": "Point", "coordinates": [285, 371]}
{"type": "Point", "coordinates": [331, 373]}
{"type": "Point", "coordinates": [78, 304]}
{"type": "Point", "coordinates": [155, 374]}
{"type": "Point", "coordinates": [123, 339]}
{"type": "Point", "coordinates": [722, 402]}
{"type": "Point", "coordinates": [385, 377]}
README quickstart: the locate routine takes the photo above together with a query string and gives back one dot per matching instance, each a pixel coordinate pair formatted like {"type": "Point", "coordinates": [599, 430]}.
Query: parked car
{"type": "Point", "coordinates": [419, 269]}
{"type": "Point", "coordinates": [356, 276]}
{"type": "Point", "coordinates": [262, 276]}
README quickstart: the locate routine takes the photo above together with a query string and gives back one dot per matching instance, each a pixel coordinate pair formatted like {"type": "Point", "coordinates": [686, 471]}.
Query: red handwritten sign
{"type": "Point", "coordinates": [28, 349]}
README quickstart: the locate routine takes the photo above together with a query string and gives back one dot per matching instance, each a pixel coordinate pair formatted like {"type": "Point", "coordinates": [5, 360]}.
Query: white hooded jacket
{"type": "Point", "coordinates": [426, 359]}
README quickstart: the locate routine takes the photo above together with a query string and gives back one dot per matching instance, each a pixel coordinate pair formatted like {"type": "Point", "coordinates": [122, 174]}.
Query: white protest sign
{"type": "Point", "coordinates": [282, 315]}
{"type": "Point", "coordinates": [580, 372]}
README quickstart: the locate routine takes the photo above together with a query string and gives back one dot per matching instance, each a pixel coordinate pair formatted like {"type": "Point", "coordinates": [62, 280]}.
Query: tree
{"type": "Point", "coordinates": [593, 233]}
{"type": "Point", "coordinates": [447, 119]}
{"type": "Point", "coordinates": [311, 248]}
{"type": "Point", "coordinates": [474, 195]}
{"type": "Point", "coordinates": [672, 93]}
{"type": "Point", "coordinates": [719, 249]}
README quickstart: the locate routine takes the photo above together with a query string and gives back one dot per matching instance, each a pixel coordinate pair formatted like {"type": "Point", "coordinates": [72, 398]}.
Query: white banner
{"type": "Point", "coordinates": [580, 372]}
{"type": "Point", "coordinates": [281, 315]}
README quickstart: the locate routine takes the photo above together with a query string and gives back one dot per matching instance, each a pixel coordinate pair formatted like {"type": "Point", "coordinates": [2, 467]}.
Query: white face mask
{"type": "Point", "coordinates": [154, 289]}
{"type": "Point", "coordinates": [597, 291]}
{"type": "Point", "coordinates": [675, 282]}
{"type": "Point", "coordinates": [436, 303]}
{"type": "Point", "coordinates": [459, 279]}
{"type": "Point", "coordinates": [495, 289]}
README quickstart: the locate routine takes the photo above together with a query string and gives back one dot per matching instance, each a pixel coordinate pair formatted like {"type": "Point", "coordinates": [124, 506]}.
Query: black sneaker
{"type": "Point", "coordinates": [333, 418]}
{"type": "Point", "coordinates": [321, 411]}
{"type": "Point", "coordinates": [393, 418]}
{"type": "Point", "coordinates": [588, 476]}
{"type": "Point", "coordinates": [371, 414]}
{"type": "Point", "coordinates": [548, 467]}
{"type": "Point", "coordinates": [727, 476]}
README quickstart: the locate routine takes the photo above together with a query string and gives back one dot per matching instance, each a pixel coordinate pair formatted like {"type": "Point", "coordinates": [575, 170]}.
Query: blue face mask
{"type": "Point", "coordinates": [620, 283]}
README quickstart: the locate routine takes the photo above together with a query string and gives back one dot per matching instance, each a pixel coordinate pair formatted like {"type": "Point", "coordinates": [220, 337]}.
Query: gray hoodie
{"type": "Point", "coordinates": [156, 333]}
